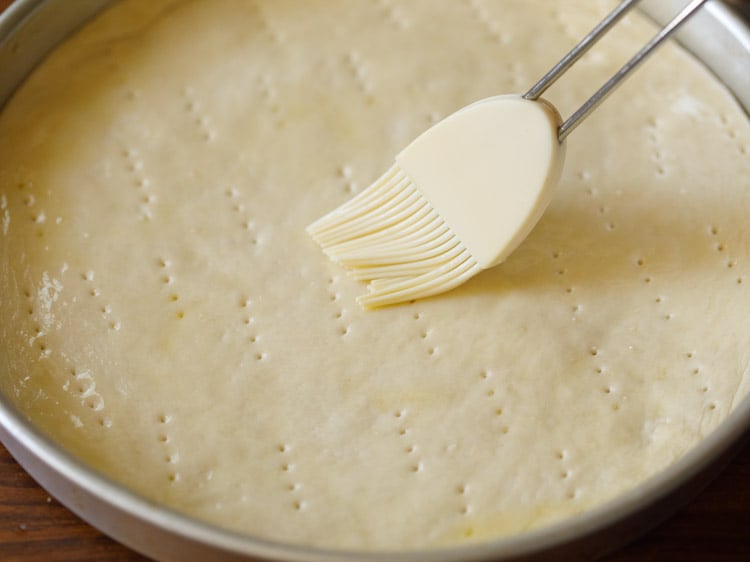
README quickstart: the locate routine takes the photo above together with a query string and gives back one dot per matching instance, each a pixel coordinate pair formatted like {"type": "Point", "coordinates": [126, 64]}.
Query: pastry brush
{"type": "Point", "coordinates": [466, 192]}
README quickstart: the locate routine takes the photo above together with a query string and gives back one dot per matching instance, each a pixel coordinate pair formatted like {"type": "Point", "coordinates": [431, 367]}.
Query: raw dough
{"type": "Point", "coordinates": [166, 317]}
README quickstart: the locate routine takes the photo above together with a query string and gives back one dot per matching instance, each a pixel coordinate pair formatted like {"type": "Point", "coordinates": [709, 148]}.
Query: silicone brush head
{"type": "Point", "coordinates": [459, 199]}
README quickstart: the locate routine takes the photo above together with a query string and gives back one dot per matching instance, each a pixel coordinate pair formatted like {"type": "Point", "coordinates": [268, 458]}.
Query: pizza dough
{"type": "Point", "coordinates": [165, 316]}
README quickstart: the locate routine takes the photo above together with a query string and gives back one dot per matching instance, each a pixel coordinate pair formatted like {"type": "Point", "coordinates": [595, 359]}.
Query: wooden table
{"type": "Point", "coordinates": [714, 527]}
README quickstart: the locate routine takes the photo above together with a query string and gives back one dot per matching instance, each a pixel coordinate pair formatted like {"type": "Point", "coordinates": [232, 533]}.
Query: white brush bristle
{"type": "Point", "coordinates": [390, 235]}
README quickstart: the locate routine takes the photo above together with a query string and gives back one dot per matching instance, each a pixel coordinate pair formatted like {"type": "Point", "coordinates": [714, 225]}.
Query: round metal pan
{"type": "Point", "coordinates": [31, 28]}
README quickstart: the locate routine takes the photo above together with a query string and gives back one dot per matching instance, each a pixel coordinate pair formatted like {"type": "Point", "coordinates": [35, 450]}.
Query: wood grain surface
{"type": "Point", "coordinates": [715, 526]}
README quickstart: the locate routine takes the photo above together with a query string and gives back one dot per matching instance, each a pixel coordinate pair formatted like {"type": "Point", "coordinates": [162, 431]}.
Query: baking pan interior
{"type": "Point", "coordinates": [27, 32]}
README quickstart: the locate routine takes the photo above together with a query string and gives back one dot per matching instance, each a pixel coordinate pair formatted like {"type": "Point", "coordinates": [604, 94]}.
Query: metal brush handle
{"type": "Point", "coordinates": [587, 42]}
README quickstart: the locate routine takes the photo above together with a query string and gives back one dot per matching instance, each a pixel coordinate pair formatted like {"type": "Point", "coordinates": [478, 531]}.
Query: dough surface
{"type": "Point", "coordinates": [166, 317]}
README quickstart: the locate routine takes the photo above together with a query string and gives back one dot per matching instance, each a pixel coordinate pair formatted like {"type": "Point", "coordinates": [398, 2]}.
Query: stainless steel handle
{"type": "Point", "coordinates": [610, 85]}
